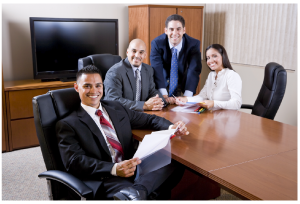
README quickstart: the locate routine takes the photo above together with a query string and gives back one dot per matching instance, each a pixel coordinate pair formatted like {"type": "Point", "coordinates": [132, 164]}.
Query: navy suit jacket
{"type": "Point", "coordinates": [189, 62]}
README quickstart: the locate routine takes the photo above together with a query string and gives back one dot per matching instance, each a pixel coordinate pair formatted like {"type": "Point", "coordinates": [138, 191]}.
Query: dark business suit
{"type": "Point", "coordinates": [85, 154]}
{"type": "Point", "coordinates": [189, 62]}
{"type": "Point", "coordinates": [120, 85]}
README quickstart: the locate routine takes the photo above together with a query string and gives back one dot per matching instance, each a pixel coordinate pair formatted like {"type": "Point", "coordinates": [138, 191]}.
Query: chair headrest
{"type": "Point", "coordinates": [65, 101]}
{"type": "Point", "coordinates": [102, 61]}
{"type": "Point", "coordinates": [271, 73]}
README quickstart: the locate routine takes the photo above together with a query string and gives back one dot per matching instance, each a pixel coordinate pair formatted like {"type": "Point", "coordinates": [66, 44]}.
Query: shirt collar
{"type": "Point", "coordinates": [91, 110]}
{"type": "Point", "coordinates": [220, 72]}
{"type": "Point", "coordinates": [134, 68]}
{"type": "Point", "coordinates": [178, 47]}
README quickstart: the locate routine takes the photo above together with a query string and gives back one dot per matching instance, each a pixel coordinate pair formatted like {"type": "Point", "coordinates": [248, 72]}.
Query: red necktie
{"type": "Point", "coordinates": [111, 136]}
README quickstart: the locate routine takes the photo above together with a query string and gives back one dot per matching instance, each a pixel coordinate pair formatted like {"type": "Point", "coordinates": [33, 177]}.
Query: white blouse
{"type": "Point", "coordinates": [226, 91]}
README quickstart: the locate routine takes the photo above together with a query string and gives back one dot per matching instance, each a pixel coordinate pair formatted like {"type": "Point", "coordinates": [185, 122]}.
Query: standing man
{"type": "Point", "coordinates": [96, 144]}
{"type": "Point", "coordinates": [131, 81]}
{"type": "Point", "coordinates": [176, 60]}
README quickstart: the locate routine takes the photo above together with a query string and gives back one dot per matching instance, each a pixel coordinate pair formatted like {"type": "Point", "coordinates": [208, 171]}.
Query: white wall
{"type": "Point", "coordinates": [16, 42]}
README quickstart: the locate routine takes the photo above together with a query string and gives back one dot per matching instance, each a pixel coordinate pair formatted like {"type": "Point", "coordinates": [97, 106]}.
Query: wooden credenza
{"type": "Point", "coordinates": [146, 22]}
{"type": "Point", "coordinates": [20, 128]}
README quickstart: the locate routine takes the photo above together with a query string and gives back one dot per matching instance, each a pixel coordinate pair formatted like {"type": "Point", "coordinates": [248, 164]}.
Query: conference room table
{"type": "Point", "coordinates": [252, 157]}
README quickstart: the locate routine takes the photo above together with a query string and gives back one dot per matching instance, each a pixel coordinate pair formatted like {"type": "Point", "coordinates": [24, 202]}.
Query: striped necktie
{"type": "Point", "coordinates": [174, 74]}
{"type": "Point", "coordinates": [111, 137]}
{"type": "Point", "coordinates": [138, 85]}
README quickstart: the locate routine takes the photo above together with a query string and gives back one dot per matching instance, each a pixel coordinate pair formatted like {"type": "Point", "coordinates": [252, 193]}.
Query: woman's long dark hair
{"type": "Point", "coordinates": [223, 53]}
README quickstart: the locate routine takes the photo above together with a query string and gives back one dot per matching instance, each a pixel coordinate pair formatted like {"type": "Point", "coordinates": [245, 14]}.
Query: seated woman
{"type": "Point", "coordinates": [223, 87]}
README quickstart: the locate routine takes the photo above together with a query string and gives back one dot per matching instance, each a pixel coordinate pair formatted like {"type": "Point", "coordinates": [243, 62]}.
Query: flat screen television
{"type": "Point", "coordinates": [58, 43]}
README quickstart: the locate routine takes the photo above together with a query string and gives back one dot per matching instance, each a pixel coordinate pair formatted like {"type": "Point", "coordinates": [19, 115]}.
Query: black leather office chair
{"type": "Point", "coordinates": [47, 110]}
{"type": "Point", "coordinates": [102, 61]}
{"type": "Point", "coordinates": [271, 92]}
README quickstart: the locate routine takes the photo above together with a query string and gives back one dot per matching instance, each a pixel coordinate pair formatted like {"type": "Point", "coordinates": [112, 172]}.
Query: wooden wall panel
{"type": "Point", "coordinates": [138, 26]}
{"type": "Point", "coordinates": [23, 134]}
{"type": "Point", "coordinates": [193, 22]}
{"type": "Point", "coordinates": [193, 27]}
{"type": "Point", "coordinates": [158, 17]}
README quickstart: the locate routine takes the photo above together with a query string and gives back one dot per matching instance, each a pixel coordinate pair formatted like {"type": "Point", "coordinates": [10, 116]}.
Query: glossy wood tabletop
{"type": "Point", "coordinates": [223, 138]}
{"type": "Point", "coordinates": [226, 137]}
{"type": "Point", "coordinates": [269, 178]}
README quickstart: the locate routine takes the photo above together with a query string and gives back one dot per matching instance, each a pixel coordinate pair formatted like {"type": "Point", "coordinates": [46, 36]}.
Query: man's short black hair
{"type": "Point", "coordinates": [89, 69]}
{"type": "Point", "coordinates": [175, 17]}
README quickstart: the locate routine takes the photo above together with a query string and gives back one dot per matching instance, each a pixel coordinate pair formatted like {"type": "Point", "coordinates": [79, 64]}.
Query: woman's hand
{"type": "Point", "coordinates": [207, 104]}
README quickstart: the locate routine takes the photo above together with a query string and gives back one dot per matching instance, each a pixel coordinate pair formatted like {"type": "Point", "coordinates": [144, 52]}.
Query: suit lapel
{"type": "Point", "coordinates": [130, 76]}
{"type": "Point", "coordinates": [145, 83]}
{"type": "Point", "coordinates": [86, 118]}
{"type": "Point", "coordinates": [115, 118]}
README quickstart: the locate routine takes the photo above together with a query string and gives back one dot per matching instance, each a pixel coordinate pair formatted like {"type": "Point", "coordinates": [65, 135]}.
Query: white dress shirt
{"type": "Point", "coordinates": [226, 91]}
{"type": "Point", "coordinates": [91, 111]}
{"type": "Point", "coordinates": [164, 91]}
{"type": "Point", "coordinates": [135, 68]}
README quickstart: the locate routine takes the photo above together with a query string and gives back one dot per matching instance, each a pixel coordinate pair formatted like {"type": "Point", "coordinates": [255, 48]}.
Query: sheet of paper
{"type": "Point", "coordinates": [153, 143]}
{"type": "Point", "coordinates": [186, 109]}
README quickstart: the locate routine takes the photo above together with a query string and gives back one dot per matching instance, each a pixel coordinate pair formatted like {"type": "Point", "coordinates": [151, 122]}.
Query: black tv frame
{"type": "Point", "coordinates": [67, 75]}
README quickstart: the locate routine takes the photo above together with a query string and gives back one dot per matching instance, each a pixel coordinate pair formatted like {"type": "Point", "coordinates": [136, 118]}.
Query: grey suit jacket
{"type": "Point", "coordinates": [120, 85]}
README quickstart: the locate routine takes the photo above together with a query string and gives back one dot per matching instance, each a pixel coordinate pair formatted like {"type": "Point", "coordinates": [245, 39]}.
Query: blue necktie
{"type": "Point", "coordinates": [174, 74]}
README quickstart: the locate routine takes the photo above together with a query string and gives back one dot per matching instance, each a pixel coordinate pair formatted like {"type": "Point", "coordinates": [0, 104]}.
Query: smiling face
{"type": "Point", "coordinates": [214, 60]}
{"type": "Point", "coordinates": [136, 52]}
{"type": "Point", "coordinates": [175, 31]}
{"type": "Point", "coordinates": [90, 89]}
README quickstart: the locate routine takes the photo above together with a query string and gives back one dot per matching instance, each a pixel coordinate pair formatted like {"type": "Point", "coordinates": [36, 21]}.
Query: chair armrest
{"type": "Point", "coordinates": [69, 180]}
{"type": "Point", "coordinates": [247, 106]}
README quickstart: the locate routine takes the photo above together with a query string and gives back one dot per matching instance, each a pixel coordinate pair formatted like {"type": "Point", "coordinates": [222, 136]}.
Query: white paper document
{"type": "Point", "coordinates": [153, 143]}
{"type": "Point", "coordinates": [187, 108]}
{"type": "Point", "coordinates": [154, 151]}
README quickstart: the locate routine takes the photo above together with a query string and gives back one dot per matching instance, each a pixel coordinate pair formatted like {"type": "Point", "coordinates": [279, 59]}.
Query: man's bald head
{"type": "Point", "coordinates": [136, 52]}
{"type": "Point", "coordinates": [137, 42]}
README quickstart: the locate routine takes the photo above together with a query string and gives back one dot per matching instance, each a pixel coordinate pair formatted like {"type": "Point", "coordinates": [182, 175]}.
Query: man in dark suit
{"type": "Point", "coordinates": [175, 47]}
{"type": "Point", "coordinates": [131, 81]}
{"type": "Point", "coordinates": [97, 146]}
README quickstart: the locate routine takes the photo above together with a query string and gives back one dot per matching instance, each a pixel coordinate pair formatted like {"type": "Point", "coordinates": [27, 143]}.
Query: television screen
{"type": "Point", "coordinates": [58, 43]}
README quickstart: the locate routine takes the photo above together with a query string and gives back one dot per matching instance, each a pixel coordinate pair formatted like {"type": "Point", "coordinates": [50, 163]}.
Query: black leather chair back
{"type": "Point", "coordinates": [271, 92]}
{"type": "Point", "coordinates": [47, 110]}
{"type": "Point", "coordinates": [102, 61]}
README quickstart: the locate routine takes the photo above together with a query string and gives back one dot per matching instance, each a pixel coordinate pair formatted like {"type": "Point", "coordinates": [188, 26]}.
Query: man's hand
{"type": "Point", "coordinates": [126, 168]}
{"type": "Point", "coordinates": [181, 100]}
{"type": "Point", "coordinates": [182, 129]}
{"type": "Point", "coordinates": [169, 100]}
{"type": "Point", "coordinates": [207, 104]}
{"type": "Point", "coordinates": [154, 103]}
